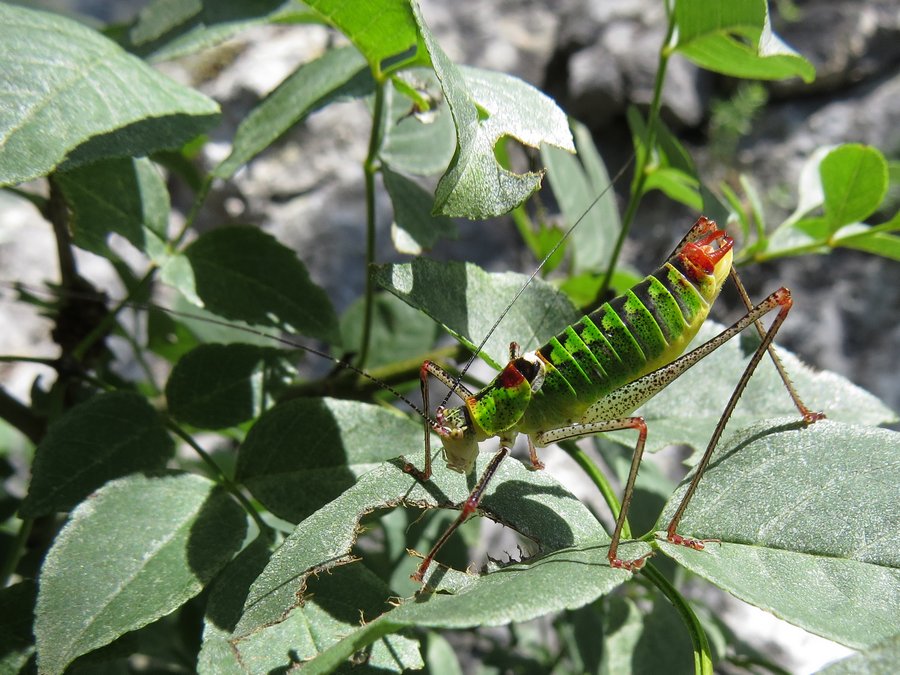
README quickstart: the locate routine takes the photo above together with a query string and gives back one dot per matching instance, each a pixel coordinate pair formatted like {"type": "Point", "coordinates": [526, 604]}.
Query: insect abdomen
{"type": "Point", "coordinates": [625, 338]}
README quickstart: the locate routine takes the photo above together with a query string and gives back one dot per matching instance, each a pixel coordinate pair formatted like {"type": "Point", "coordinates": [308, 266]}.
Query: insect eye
{"type": "Point", "coordinates": [528, 369]}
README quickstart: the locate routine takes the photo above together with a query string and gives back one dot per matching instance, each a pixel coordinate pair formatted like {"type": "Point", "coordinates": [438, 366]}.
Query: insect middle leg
{"type": "Point", "coordinates": [468, 508]}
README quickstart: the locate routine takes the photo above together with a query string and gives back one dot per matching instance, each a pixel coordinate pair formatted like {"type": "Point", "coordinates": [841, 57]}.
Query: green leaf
{"type": "Point", "coordinates": [385, 32]}
{"type": "Point", "coordinates": [170, 30]}
{"type": "Point", "coordinates": [736, 38]}
{"type": "Point", "coordinates": [336, 604]}
{"type": "Point", "coordinates": [108, 436]}
{"type": "Point", "coordinates": [242, 273]}
{"type": "Point", "coordinates": [339, 74]}
{"type": "Point", "coordinates": [677, 185]}
{"type": "Point", "coordinates": [123, 196]}
{"type": "Point", "coordinates": [71, 88]}
{"type": "Point", "coordinates": [881, 659]}
{"type": "Point", "coordinates": [323, 444]}
{"type": "Point", "coordinates": [487, 107]}
{"type": "Point", "coordinates": [217, 386]}
{"type": "Point", "coordinates": [532, 503]}
{"type": "Point", "coordinates": [16, 612]}
{"type": "Point", "coordinates": [809, 526]}
{"type": "Point", "coordinates": [855, 181]}
{"type": "Point", "coordinates": [576, 183]}
{"type": "Point", "coordinates": [467, 301]}
{"type": "Point", "coordinates": [879, 243]}
{"type": "Point", "coordinates": [414, 228]}
{"type": "Point", "coordinates": [134, 551]}
{"type": "Point", "coordinates": [687, 411]}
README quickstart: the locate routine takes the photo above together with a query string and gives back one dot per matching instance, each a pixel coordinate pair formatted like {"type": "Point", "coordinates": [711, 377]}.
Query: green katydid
{"type": "Point", "coordinates": [591, 377]}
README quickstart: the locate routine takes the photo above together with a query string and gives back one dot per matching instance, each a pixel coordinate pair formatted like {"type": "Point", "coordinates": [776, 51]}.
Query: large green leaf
{"type": "Point", "coordinates": [242, 273]}
{"type": "Point", "coordinates": [69, 87]}
{"type": "Point", "coordinates": [467, 301]}
{"type": "Point", "coordinates": [531, 503]}
{"type": "Point", "coordinates": [736, 38]}
{"type": "Point", "coordinates": [122, 196]}
{"type": "Point", "coordinates": [335, 604]}
{"type": "Point", "coordinates": [133, 552]}
{"type": "Point", "coordinates": [808, 524]}
{"type": "Point", "coordinates": [323, 444]}
{"type": "Point", "coordinates": [108, 436]}
{"type": "Point", "coordinates": [337, 75]}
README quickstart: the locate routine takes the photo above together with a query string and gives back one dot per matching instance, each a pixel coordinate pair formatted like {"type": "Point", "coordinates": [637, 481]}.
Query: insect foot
{"type": "Point", "coordinates": [630, 565]}
{"type": "Point", "coordinates": [690, 542]}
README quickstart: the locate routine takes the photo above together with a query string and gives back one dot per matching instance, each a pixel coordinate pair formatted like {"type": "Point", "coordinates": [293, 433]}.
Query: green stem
{"type": "Point", "coordinates": [15, 552]}
{"type": "Point", "coordinates": [609, 495]}
{"type": "Point", "coordinates": [370, 168]}
{"type": "Point", "coordinates": [195, 209]}
{"type": "Point", "coordinates": [229, 484]}
{"type": "Point", "coordinates": [703, 664]}
{"type": "Point", "coordinates": [643, 158]}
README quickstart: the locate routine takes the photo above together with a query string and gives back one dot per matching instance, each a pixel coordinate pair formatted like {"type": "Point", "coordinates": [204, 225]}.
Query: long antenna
{"type": "Point", "coordinates": [531, 278]}
{"type": "Point", "coordinates": [253, 331]}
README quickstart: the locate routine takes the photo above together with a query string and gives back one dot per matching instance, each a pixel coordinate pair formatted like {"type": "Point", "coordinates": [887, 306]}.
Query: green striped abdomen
{"type": "Point", "coordinates": [635, 333]}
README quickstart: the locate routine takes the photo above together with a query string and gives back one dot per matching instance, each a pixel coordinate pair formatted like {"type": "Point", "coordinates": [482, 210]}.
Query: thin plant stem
{"type": "Point", "coordinates": [370, 168]}
{"type": "Point", "coordinates": [703, 664]}
{"type": "Point", "coordinates": [229, 484]}
{"type": "Point", "coordinates": [643, 159]}
{"type": "Point", "coordinates": [15, 552]}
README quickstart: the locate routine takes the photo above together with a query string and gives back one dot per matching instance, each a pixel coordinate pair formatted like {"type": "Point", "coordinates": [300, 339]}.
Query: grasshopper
{"type": "Point", "coordinates": [591, 377]}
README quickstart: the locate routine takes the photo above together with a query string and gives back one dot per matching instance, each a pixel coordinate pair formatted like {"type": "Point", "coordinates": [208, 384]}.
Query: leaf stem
{"type": "Point", "coordinates": [370, 167]}
{"type": "Point", "coordinates": [643, 158]}
{"type": "Point", "coordinates": [229, 484]}
{"type": "Point", "coordinates": [703, 664]}
{"type": "Point", "coordinates": [15, 551]}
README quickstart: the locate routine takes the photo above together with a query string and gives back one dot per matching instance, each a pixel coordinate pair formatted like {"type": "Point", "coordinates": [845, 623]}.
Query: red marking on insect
{"type": "Point", "coordinates": [690, 542]}
{"type": "Point", "coordinates": [511, 378]}
{"type": "Point", "coordinates": [700, 257]}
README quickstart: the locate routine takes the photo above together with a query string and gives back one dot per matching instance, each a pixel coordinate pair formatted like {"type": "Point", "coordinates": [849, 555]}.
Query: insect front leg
{"type": "Point", "coordinates": [468, 508]}
{"type": "Point", "coordinates": [437, 425]}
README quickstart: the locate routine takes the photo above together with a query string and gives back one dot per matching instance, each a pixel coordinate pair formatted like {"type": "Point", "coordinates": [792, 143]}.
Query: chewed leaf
{"type": "Point", "coordinates": [532, 503]}
{"type": "Point", "coordinates": [467, 301]}
{"type": "Point", "coordinates": [808, 524]}
{"type": "Point", "coordinates": [486, 107]}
